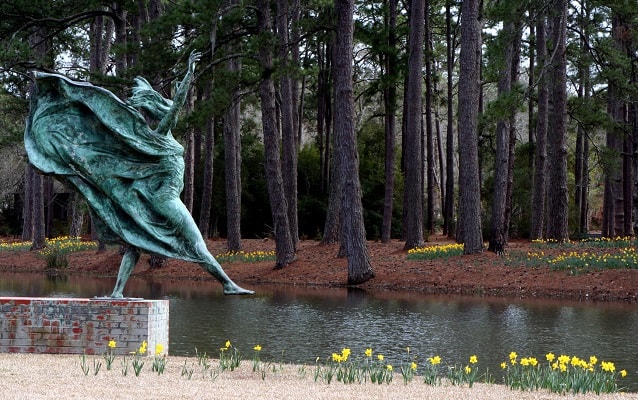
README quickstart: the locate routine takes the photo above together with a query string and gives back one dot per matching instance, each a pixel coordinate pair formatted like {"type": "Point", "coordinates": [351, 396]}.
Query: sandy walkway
{"type": "Point", "coordinates": [60, 377]}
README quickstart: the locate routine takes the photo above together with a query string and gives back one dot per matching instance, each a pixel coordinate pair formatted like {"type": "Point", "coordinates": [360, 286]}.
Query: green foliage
{"type": "Point", "coordinates": [370, 141]}
{"type": "Point", "coordinates": [13, 111]}
{"type": "Point", "coordinates": [312, 202]}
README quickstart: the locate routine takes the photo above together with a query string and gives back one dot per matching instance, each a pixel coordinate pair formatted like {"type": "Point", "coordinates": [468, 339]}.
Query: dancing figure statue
{"type": "Point", "coordinates": [130, 174]}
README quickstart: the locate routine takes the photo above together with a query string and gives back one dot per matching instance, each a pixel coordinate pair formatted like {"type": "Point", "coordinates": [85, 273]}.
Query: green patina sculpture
{"type": "Point", "coordinates": [130, 174]}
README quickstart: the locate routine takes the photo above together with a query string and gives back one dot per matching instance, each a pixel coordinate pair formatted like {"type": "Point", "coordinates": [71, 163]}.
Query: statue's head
{"type": "Point", "coordinates": [146, 98]}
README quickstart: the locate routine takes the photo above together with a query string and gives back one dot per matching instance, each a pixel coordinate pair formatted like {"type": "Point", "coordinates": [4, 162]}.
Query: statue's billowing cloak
{"type": "Point", "coordinates": [130, 176]}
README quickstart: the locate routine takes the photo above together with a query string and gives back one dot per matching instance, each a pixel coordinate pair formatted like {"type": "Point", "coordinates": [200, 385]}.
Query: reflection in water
{"type": "Point", "coordinates": [301, 324]}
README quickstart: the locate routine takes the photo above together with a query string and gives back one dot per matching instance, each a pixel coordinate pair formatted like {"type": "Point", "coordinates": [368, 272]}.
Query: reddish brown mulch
{"type": "Point", "coordinates": [483, 274]}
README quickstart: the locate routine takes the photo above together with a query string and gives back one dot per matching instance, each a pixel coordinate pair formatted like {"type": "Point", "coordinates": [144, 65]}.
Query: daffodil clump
{"type": "Point", "coordinates": [58, 248]}
{"type": "Point", "coordinates": [583, 261]}
{"type": "Point", "coordinates": [14, 246]}
{"type": "Point", "coordinates": [138, 359]}
{"type": "Point", "coordinates": [432, 373]}
{"type": "Point", "coordinates": [229, 357]}
{"type": "Point", "coordinates": [159, 359]}
{"type": "Point", "coordinates": [601, 242]}
{"type": "Point", "coordinates": [243, 256]}
{"type": "Point", "coordinates": [461, 375]}
{"type": "Point", "coordinates": [135, 360]}
{"type": "Point", "coordinates": [561, 374]}
{"type": "Point", "coordinates": [436, 251]}
{"type": "Point", "coordinates": [61, 244]}
{"type": "Point", "coordinates": [109, 354]}
{"type": "Point", "coordinates": [55, 251]}
{"type": "Point", "coordinates": [344, 368]}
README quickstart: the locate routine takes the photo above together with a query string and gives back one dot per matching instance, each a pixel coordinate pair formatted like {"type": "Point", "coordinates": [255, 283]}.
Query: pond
{"type": "Point", "coordinates": [300, 324]}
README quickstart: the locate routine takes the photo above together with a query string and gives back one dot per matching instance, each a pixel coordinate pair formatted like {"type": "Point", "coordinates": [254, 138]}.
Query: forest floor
{"type": "Point", "coordinates": [317, 265]}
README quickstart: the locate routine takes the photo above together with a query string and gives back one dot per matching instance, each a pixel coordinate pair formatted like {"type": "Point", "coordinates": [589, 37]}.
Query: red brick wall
{"type": "Point", "coordinates": [74, 325]}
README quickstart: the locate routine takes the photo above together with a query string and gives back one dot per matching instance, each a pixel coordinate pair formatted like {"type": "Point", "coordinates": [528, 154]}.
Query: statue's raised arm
{"type": "Point", "coordinates": [170, 119]}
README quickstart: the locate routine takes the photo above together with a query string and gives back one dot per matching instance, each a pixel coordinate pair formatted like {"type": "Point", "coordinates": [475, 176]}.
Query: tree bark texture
{"type": "Point", "coordinates": [207, 181]}
{"type": "Point", "coordinates": [540, 148]}
{"type": "Point", "coordinates": [448, 214]}
{"type": "Point", "coordinates": [284, 246]}
{"type": "Point", "coordinates": [413, 188]}
{"type": "Point", "coordinates": [469, 95]}
{"type": "Point", "coordinates": [288, 132]}
{"type": "Point", "coordinates": [389, 104]}
{"type": "Point", "coordinates": [429, 128]}
{"type": "Point", "coordinates": [232, 154]}
{"type": "Point", "coordinates": [557, 196]}
{"type": "Point", "coordinates": [498, 240]}
{"type": "Point", "coordinates": [353, 231]}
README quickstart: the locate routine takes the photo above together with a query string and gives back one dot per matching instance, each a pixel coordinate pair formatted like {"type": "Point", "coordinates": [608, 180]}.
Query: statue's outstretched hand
{"type": "Point", "coordinates": [193, 59]}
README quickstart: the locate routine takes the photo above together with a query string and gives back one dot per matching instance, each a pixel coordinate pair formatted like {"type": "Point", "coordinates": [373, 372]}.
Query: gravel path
{"type": "Point", "coordinates": [61, 377]}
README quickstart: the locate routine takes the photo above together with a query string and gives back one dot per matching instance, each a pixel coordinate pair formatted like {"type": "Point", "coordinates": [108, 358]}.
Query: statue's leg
{"type": "Point", "coordinates": [126, 267]}
{"type": "Point", "coordinates": [230, 287]}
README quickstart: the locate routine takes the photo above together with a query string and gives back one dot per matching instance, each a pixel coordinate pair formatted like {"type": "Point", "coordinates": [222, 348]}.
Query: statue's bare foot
{"type": "Point", "coordinates": [233, 288]}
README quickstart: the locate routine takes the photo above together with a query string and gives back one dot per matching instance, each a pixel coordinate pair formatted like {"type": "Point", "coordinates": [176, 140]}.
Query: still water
{"type": "Point", "coordinates": [299, 325]}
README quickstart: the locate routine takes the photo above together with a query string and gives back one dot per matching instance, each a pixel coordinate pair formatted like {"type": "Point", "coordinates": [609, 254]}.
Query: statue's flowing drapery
{"type": "Point", "coordinates": [130, 176]}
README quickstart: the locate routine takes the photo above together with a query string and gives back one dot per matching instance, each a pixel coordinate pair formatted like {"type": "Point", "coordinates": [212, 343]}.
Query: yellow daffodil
{"type": "Point", "coordinates": [468, 369]}
{"type": "Point", "coordinates": [473, 359]}
{"type": "Point", "coordinates": [227, 343]}
{"type": "Point", "coordinates": [623, 373]}
{"type": "Point", "coordinates": [112, 344]}
{"type": "Point", "coordinates": [389, 367]}
{"type": "Point", "coordinates": [142, 349]}
{"type": "Point", "coordinates": [257, 348]}
{"type": "Point", "coordinates": [159, 348]}
{"type": "Point", "coordinates": [368, 353]}
{"type": "Point", "coordinates": [435, 360]}
{"type": "Point", "coordinates": [607, 366]}
{"type": "Point", "coordinates": [503, 365]}
{"type": "Point", "coordinates": [380, 357]}
{"type": "Point", "coordinates": [550, 357]}
{"type": "Point", "coordinates": [413, 366]}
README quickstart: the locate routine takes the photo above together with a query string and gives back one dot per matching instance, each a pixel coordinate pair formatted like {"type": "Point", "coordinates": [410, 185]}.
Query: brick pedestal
{"type": "Point", "coordinates": [76, 326]}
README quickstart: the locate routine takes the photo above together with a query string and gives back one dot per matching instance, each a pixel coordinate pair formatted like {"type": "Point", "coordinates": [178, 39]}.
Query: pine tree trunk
{"type": "Point", "coordinates": [413, 188]}
{"type": "Point", "coordinates": [557, 137]}
{"type": "Point", "coordinates": [289, 134]}
{"type": "Point", "coordinates": [389, 104]}
{"type": "Point", "coordinates": [505, 140]}
{"type": "Point", "coordinates": [469, 97]}
{"type": "Point", "coordinates": [429, 128]}
{"type": "Point", "coordinates": [540, 151]}
{"type": "Point", "coordinates": [78, 212]}
{"type": "Point", "coordinates": [27, 206]}
{"type": "Point", "coordinates": [189, 161]}
{"type": "Point", "coordinates": [332, 227]}
{"type": "Point", "coordinates": [207, 184]}
{"type": "Point", "coordinates": [448, 215]}
{"type": "Point", "coordinates": [232, 157]}
{"type": "Point", "coordinates": [353, 237]}
{"type": "Point", "coordinates": [284, 246]}
{"type": "Point", "coordinates": [38, 240]}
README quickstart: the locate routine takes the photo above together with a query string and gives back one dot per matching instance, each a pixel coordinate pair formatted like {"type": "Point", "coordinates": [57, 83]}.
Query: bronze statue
{"type": "Point", "coordinates": [130, 174]}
